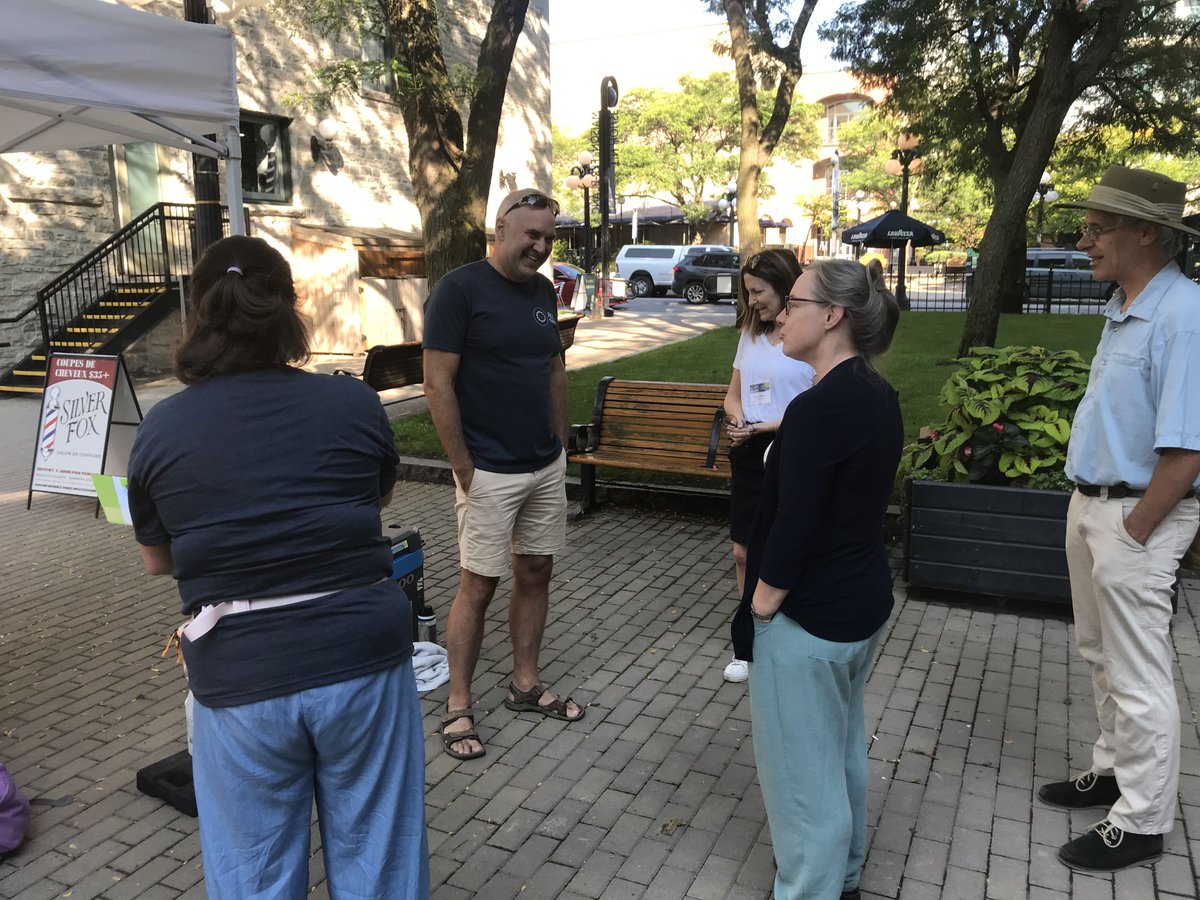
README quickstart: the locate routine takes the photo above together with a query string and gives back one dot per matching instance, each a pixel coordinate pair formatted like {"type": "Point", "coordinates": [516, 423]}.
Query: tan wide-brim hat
{"type": "Point", "coordinates": [1141, 194]}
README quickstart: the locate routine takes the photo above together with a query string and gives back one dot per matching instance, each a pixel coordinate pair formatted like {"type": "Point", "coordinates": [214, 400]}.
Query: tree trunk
{"type": "Point", "coordinates": [450, 172]}
{"type": "Point", "coordinates": [999, 283]}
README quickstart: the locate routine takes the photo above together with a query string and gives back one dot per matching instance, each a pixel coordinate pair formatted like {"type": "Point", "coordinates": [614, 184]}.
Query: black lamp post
{"type": "Point", "coordinates": [1044, 191]}
{"type": "Point", "coordinates": [583, 176]}
{"type": "Point", "coordinates": [905, 161]}
{"type": "Point", "coordinates": [728, 204]}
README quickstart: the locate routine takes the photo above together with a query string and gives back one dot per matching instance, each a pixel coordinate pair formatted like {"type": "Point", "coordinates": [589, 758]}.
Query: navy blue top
{"type": "Point", "coordinates": [819, 529]}
{"type": "Point", "coordinates": [506, 335]}
{"type": "Point", "coordinates": [267, 484]}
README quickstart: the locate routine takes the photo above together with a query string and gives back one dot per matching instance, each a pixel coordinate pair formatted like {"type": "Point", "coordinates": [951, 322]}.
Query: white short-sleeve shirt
{"type": "Point", "coordinates": [770, 380]}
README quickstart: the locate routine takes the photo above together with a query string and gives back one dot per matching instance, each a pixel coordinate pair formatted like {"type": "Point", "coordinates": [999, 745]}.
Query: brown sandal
{"type": "Point", "coordinates": [527, 701]}
{"type": "Point", "coordinates": [449, 739]}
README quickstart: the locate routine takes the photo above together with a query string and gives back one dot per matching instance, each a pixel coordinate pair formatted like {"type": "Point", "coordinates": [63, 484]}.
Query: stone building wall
{"type": "Point", "coordinates": [54, 208]}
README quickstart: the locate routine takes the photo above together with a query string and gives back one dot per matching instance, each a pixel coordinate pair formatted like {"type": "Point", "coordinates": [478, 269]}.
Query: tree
{"type": "Point", "coordinates": [761, 62]}
{"type": "Point", "coordinates": [948, 199]}
{"type": "Point", "coordinates": [450, 166]}
{"type": "Point", "coordinates": [991, 85]}
{"type": "Point", "coordinates": [684, 143]}
{"type": "Point", "coordinates": [679, 143]}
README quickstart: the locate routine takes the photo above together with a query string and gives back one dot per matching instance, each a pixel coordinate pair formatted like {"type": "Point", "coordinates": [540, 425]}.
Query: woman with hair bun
{"type": "Point", "coordinates": [259, 488]}
{"type": "Point", "coordinates": [818, 586]}
{"type": "Point", "coordinates": [764, 381]}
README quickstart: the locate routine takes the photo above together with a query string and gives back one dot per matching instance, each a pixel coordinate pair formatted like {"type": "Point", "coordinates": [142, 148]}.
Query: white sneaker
{"type": "Point", "coordinates": [737, 671]}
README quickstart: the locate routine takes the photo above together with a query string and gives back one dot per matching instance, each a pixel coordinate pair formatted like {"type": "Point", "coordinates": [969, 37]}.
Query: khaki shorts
{"type": "Point", "coordinates": [503, 514]}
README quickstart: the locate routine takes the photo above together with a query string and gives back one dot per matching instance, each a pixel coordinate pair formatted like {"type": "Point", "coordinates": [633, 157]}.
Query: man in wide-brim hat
{"type": "Point", "coordinates": [1135, 459]}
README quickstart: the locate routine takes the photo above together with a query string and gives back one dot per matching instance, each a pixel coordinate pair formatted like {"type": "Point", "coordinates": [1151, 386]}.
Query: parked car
{"type": "Point", "coordinates": [706, 277]}
{"type": "Point", "coordinates": [1061, 274]}
{"type": "Point", "coordinates": [566, 277]}
{"type": "Point", "coordinates": [649, 268]}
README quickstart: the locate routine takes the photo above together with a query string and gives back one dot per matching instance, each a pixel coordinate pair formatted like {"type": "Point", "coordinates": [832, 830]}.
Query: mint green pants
{"type": "Point", "coordinates": [810, 747]}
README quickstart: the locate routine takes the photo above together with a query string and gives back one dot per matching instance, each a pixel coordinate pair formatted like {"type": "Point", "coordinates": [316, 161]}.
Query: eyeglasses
{"type": "Point", "coordinates": [788, 302]}
{"type": "Point", "coordinates": [1093, 232]}
{"type": "Point", "coordinates": [535, 201]}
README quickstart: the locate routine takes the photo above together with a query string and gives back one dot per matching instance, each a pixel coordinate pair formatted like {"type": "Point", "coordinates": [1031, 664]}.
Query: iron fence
{"type": "Point", "coordinates": [156, 249]}
{"type": "Point", "coordinates": [1045, 292]}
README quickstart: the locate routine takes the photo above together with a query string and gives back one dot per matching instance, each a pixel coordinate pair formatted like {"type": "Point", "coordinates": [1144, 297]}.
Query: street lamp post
{"type": "Point", "coordinates": [1043, 192]}
{"type": "Point", "coordinates": [728, 204]}
{"type": "Point", "coordinates": [905, 161]}
{"type": "Point", "coordinates": [584, 176]}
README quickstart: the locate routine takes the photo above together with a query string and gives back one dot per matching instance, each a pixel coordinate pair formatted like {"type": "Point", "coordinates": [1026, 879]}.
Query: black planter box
{"type": "Point", "coordinates": [984, 539]}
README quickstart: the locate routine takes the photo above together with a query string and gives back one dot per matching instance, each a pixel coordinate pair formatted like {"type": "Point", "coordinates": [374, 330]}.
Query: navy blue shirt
{"type": "Point", "coordinates": [506, 335]}
{"type": "Point", "coordinates": [819, 529]}
{"type": "Point", "coordinates": [267, 484]}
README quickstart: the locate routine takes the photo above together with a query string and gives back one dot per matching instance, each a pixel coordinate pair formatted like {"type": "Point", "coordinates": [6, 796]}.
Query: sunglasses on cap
{"type": "Point", "coordinates": [535, 201]}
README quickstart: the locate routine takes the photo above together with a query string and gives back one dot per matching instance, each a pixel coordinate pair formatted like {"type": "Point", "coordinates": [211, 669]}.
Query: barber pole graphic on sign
{"type": "Point", "coordinates": [89, 417]}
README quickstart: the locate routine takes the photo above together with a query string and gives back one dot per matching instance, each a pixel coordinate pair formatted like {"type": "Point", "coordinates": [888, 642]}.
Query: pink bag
{"type": "Point", "coordinates": [14, 813]}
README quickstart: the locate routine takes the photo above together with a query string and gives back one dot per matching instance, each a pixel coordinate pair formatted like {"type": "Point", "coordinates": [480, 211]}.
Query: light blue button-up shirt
{"type": "Point", "coordinates": [1143, 394]}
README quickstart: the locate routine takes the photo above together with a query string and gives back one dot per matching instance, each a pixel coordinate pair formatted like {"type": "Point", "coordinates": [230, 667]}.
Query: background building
{"type": "Point", "coordinates": [341, 209]}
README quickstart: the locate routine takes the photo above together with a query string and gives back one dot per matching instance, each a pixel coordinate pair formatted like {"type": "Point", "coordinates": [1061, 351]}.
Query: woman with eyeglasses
{"type": "Point", "coordinates": [818, 588]}
{"type": "Point", "coordinates": [764, 382]}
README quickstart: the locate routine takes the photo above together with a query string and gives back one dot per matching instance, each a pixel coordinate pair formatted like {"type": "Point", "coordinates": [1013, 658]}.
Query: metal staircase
{"type": "Point", "coordinates": [112, 296]}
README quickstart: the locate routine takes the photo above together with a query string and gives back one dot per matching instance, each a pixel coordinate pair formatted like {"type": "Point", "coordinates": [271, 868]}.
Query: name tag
{"type": "Point", "coordinates": [760, 394]}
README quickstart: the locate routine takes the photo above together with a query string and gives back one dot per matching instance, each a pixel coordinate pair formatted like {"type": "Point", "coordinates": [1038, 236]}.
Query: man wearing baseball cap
{"type": "Point", "coordinates": [1134, 456]}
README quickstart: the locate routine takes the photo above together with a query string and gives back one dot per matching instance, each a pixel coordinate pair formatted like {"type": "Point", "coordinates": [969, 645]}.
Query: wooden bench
{"type": "Point", "coordinates": [390, 366]}
{"type": "Point", "coordinates": [656, 426]}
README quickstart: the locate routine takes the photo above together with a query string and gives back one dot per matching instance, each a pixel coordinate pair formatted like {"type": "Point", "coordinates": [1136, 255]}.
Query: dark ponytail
{"type": "Point", "coordinates": [244, 314]}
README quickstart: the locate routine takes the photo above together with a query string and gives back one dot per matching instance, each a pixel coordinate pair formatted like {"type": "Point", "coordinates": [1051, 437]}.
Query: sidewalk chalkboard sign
{"type": "Point", "coordinates": [89, 418]}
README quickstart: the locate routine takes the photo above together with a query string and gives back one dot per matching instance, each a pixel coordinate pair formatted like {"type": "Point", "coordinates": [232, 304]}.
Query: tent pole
{"type": "Point", "coordinates": [233, 182]}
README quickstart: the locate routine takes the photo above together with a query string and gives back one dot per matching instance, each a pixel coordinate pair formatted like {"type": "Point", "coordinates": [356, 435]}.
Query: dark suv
{"type": "Point", "coordinates": [706, 277]}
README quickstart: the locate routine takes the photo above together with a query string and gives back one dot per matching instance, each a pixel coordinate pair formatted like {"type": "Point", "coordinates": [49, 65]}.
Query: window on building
{"type": "Point", "coordinates": [823, 172]}
{"type": "Point", "coordinates": [266, 158]}
{"type": "Point", "coordinates": [378, 49]}
{"type": "Point", "coordinates": [1185, 8]}
{"type": "Point", "coordinates": [838, 114]}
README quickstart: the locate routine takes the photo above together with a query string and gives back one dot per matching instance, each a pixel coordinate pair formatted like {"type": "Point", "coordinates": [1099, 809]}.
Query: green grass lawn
{"type": "Point", "coordinates": [917, 365]}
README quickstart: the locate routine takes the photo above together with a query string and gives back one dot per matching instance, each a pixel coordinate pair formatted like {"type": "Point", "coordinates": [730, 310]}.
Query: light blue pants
{"type": "Point", "coordinates": [357, 746]}
{"type": "Point", "coordinates": [810, 747]}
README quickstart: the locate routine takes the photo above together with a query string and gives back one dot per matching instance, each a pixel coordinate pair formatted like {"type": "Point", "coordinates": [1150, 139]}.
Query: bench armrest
{"type": "Point", "coordinates": [583, 438]}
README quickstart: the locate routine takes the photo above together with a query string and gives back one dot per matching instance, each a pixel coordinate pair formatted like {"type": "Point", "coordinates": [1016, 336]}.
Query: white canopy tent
{"type": "Point", "coordinates": [86, 73]}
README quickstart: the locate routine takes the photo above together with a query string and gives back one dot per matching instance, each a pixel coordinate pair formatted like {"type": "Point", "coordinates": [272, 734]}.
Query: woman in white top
{"type": "Point", "coordinates": [763, 384]}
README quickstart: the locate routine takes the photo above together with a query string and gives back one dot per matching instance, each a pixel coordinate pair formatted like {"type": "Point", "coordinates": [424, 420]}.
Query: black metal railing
{"type": "Point", "coordinates": [1063, 291]}
{"type": "Point", "coordinates": [156, 249]}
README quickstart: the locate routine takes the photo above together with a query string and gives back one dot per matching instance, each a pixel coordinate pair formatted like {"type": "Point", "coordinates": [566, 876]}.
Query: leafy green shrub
{"type": "Point", "coordinates": [1010, 413]}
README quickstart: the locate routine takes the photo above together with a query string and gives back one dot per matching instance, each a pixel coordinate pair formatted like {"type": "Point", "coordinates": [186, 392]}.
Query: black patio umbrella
{"type": "Point", "coordinates": [893, 229]}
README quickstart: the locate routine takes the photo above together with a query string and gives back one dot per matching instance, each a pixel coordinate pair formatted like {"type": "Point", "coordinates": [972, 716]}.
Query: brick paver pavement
{"type": "Point", "coordinates": [652, 795]}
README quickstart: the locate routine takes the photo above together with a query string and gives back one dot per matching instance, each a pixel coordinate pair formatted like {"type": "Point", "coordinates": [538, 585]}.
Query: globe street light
{"type": "Point", "coordinates": [728, 204]}
{"type": "Point", "coordinates": [905, 161]}
{"type": "Point", "coordinates": [584, 176]}
{"type": "Point", "coordinates": [1043, 192]}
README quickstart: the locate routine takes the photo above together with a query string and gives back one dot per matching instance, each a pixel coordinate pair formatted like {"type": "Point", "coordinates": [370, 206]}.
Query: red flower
{"type": "Point", "coordinates": [967, 451]}
{"type": "Point", "coordinates": [997, 426]}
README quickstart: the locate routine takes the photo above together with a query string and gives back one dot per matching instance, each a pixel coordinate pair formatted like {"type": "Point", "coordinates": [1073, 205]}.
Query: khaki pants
{"type": "Point", "coordinates": [1121, 594]}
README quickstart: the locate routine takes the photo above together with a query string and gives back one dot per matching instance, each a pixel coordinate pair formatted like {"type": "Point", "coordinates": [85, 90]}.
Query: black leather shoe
{"type": "Point", "coordinates": [851, 895]}
{"type": "Point", "coordinates": [1107, 848]}
{"type": "Point", "coordinates": [1086, 791]}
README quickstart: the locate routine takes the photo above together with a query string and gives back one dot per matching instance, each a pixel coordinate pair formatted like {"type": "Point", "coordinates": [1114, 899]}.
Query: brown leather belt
{"type": "Point", "coordinates": [1117, 491]}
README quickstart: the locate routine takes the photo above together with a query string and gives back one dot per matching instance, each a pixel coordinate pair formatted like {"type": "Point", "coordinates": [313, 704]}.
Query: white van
{"type": "Point", "coordinates": [649, 268]}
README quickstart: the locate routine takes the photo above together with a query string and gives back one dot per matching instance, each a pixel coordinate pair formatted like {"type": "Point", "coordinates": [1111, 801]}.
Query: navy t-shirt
{"type": "Point", "coordinates": [506, 335]}
{"type": "Point", "coordinates": [819, 529]}
{"type": "Point", "coordinates": [267, 484]}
